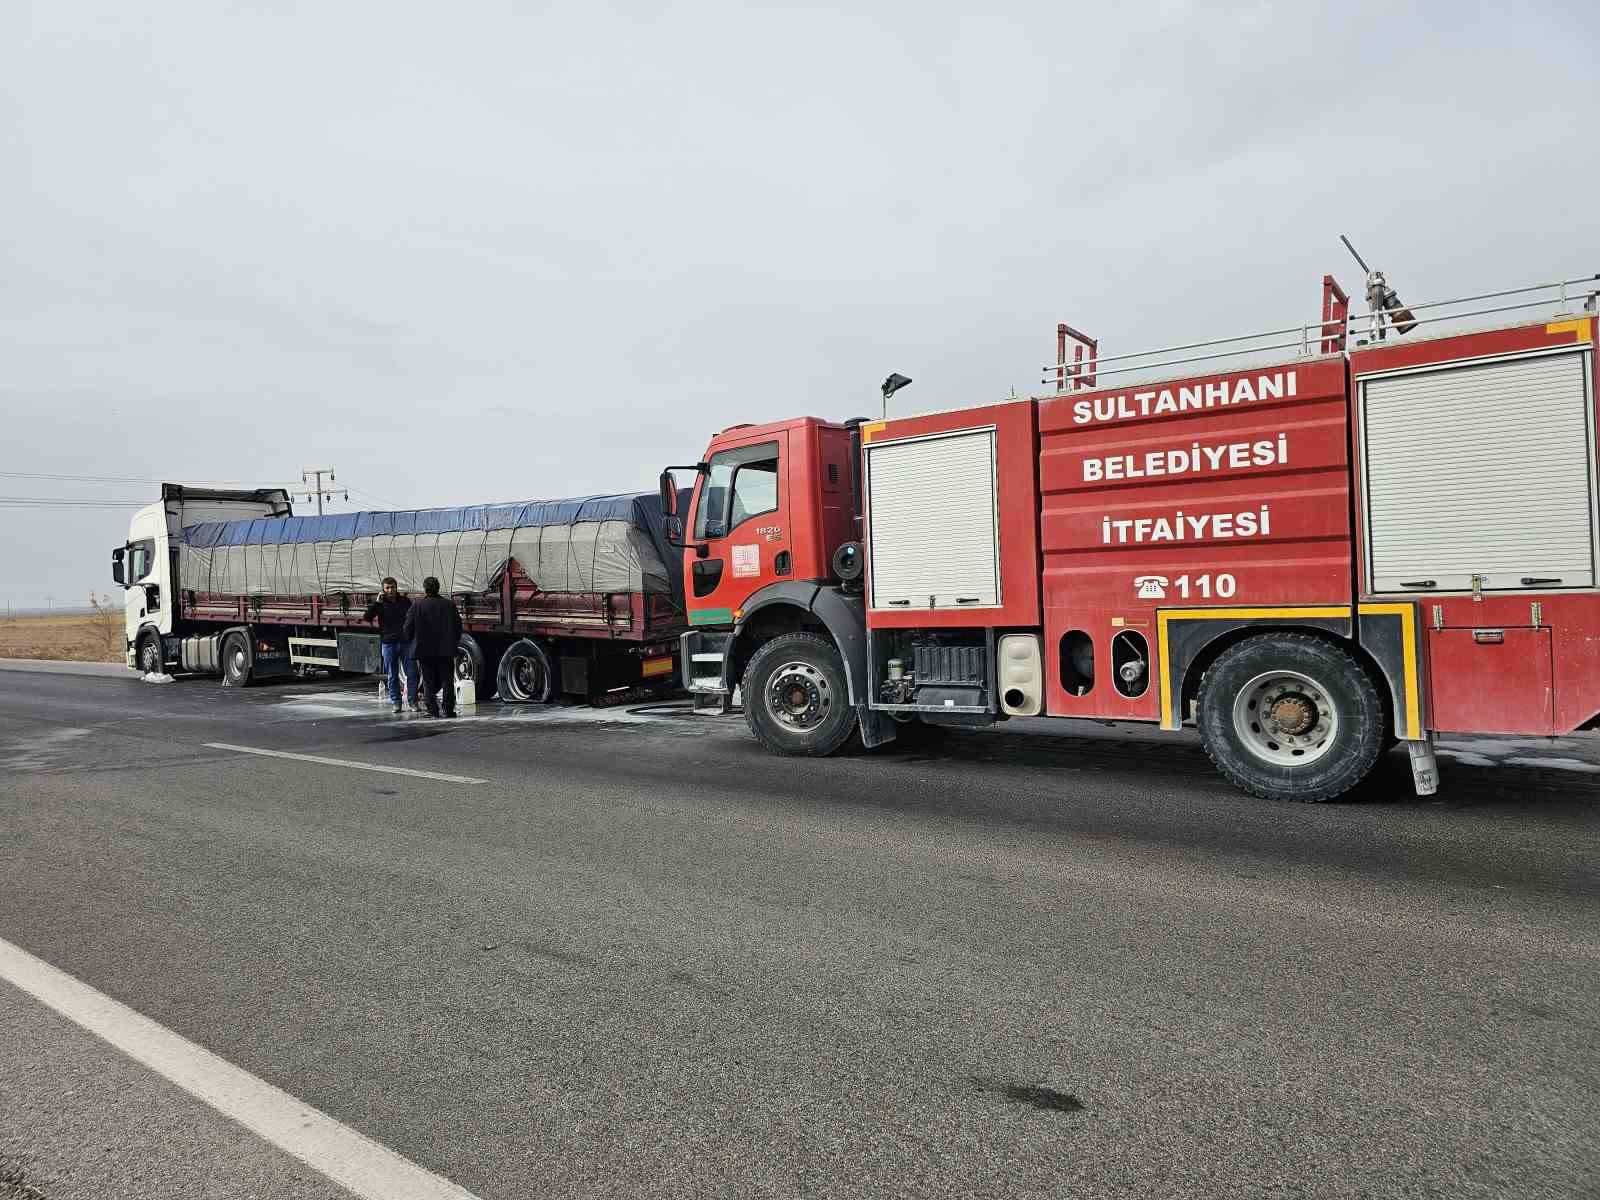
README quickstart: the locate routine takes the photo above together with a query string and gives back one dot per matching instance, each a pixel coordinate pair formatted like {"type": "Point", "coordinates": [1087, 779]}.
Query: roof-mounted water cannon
{"type": "Point", "coordinates": [1384, 306]}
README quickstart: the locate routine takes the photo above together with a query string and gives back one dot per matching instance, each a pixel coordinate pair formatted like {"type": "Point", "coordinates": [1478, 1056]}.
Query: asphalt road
{"type": "Point", "coordinates": [643, 958]}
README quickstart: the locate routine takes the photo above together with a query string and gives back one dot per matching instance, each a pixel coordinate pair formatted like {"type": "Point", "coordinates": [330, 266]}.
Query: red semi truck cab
{"type": "Point", "coordinates": [1311, 557]}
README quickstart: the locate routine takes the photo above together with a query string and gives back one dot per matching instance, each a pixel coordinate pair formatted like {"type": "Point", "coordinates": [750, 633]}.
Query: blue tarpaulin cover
{"type": "Point", "coordinates": [642, 509]}
{"type": "Point", "coordinates": [580, 544]}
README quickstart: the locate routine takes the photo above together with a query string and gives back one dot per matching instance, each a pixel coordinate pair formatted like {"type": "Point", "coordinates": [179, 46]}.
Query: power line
{"type": "Point", "coordinates": [140, 502]}
{"type": "Point", "coordinates": [136, 479]}
{"type": "Point", "coordinates": [62, 502]}
{"type": "Point", "coordinates": [373, 496]}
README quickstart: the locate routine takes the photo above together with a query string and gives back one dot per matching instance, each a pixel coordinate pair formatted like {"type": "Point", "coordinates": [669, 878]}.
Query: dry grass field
{"type": "Point", "coordinates": [83, 636]}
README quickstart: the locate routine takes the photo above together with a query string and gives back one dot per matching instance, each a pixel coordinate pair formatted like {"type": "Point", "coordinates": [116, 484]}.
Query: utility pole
{"type": "Point", "coordinates": [319, 491]}
{"type": "Point", "coordinates": [50, 604]}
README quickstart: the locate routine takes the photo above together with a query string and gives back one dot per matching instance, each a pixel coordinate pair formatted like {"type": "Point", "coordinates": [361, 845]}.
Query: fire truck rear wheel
{"type": "Point", "coordinates": [797, 698]}
{"type": "Point", "coordinates": [1289, 716]}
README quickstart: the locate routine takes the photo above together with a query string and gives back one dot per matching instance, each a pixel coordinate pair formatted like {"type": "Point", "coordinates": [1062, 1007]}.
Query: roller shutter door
{"type": "Point", "coordinates": [1481, 470]}
{"type": "Point", "coordinates": [931, 522]}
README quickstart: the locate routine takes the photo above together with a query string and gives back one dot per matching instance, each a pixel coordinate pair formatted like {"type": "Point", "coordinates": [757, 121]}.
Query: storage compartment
{"type": "Point", "coordinates": [933, 539]}
{"type": "Point", "coordinates": [1490, 681]}
{"type": "Point", "coordinates": [1480, 476]}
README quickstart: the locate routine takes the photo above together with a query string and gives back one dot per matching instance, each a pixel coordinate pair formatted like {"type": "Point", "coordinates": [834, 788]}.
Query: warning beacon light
{"type": "Point", "coordinates": [1382, 302]}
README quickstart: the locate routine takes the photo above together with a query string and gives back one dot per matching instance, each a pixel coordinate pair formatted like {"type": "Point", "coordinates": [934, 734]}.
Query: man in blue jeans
{"type": "Point", "coordinates": [390, 611]}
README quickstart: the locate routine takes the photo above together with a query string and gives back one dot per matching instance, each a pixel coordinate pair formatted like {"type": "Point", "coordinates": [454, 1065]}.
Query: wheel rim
{"type": "Point", "coordinates": [464, 666]}
{"type": "Point", "coordinates": [799, 696]}
{"type": "Point", "coordinates": [238, 663]}
{"type": "Point", "coordinates": [1286, 719]}
{"type": "Point", "coordinates": [524, 677]}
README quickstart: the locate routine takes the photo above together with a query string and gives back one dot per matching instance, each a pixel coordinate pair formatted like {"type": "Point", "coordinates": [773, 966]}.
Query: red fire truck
{"type": "Point", "coordinates": [1337, 537]}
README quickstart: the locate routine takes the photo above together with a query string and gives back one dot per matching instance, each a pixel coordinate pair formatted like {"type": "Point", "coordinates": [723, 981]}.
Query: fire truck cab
{"type": "Point", "coordinates": [1349, 541]}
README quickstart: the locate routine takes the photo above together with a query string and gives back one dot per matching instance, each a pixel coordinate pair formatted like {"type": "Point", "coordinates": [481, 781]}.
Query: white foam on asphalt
{"type": "Point", "coordinates": [344, 762]}
{"type": "Point", "coordinates": [352, 705]}
{"type": "Point", "coordinates": [329, 1147]}
{"type": "Point", "coordinates": [1513, 752]}
{"type": "Point", "coordinates": [1467, 759]}
{"type": "Point", "coordinates": [1555, 764]}
{"type": "Point", "coordinates": [42, 750]}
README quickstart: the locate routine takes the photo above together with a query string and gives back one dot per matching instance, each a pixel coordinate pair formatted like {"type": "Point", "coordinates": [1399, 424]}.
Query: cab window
{"type": "Point", "coordinates": [741, 484]}
{"type": "Point", "coordinates": [141, 561]}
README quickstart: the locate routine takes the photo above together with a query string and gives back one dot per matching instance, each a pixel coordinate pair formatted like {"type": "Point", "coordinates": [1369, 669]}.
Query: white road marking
{"type": "Point", "coordinates": [349, 1158]}
{"type": "Point", "coordinates": [345, 762]}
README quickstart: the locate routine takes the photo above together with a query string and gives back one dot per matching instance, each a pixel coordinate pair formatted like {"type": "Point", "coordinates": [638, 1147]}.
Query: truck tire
{"type": "Point", "coordinates": [526, 674]}
{"type": "Point", "coordinates": [1289, 716]}
{"type": "Point", "coordinates": [796, 696]}
{"type": "Point", "coordinates": [149, 657]}
{"type": "Point", "coordinates": [477, 664]}
{"type": "Point", "coordinates": [237, 664]}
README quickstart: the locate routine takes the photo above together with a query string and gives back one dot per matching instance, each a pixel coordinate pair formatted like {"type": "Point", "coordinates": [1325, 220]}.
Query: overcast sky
{"type": "Point", "coordinates": [487, 251]}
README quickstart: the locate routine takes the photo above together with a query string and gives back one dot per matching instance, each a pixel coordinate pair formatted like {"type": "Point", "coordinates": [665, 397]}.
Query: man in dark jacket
{"type": "Point", "coordinates": [390, 610]}
{"type": "Point", "coordinates": [434, 627]}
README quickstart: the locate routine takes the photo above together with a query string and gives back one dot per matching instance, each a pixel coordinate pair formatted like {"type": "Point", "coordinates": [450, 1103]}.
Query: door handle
{"type": "Point", "coordinates": [1535, 580]}
{"type": "Point", "coordinates": [1419, 583]}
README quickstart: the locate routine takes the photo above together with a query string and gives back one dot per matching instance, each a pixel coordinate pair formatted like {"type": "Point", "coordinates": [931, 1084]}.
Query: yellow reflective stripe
{"type": "Point", "coordinates": [1222, 614]}
{"type": "Point", "coordinates": [1580, 327]}
{"type": "Point", "coordinates": [1408, 644]}
{"type": "Point", "coordinates": [867, 431]}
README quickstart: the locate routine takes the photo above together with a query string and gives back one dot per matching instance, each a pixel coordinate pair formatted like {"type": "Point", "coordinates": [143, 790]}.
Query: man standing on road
{"type": "Point", "coordinates": [390, 611]}
{"type": "Point", "coordinates": [434, 628]}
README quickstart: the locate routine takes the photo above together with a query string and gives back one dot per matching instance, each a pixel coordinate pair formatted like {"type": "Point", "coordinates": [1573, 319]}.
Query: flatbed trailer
{"type": "Point", "coordinates": [522, 642]}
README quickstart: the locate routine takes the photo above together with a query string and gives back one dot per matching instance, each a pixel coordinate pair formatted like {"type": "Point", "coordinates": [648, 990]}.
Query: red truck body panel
{"type": "Point", "coordinates": [1526, 662]}
{"type": "Point", "coordinates": [1226, 489]}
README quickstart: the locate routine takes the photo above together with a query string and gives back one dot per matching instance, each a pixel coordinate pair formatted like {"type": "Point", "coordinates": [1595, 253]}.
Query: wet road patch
{"type": "Point", "coordinates": [1034, 1095]}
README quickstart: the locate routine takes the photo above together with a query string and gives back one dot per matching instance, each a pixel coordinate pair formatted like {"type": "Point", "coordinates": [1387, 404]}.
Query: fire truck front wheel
{"type": "Point", "coordinates": [1290, 716]}
{"type": "Point", "coordinates": [796, 696]}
